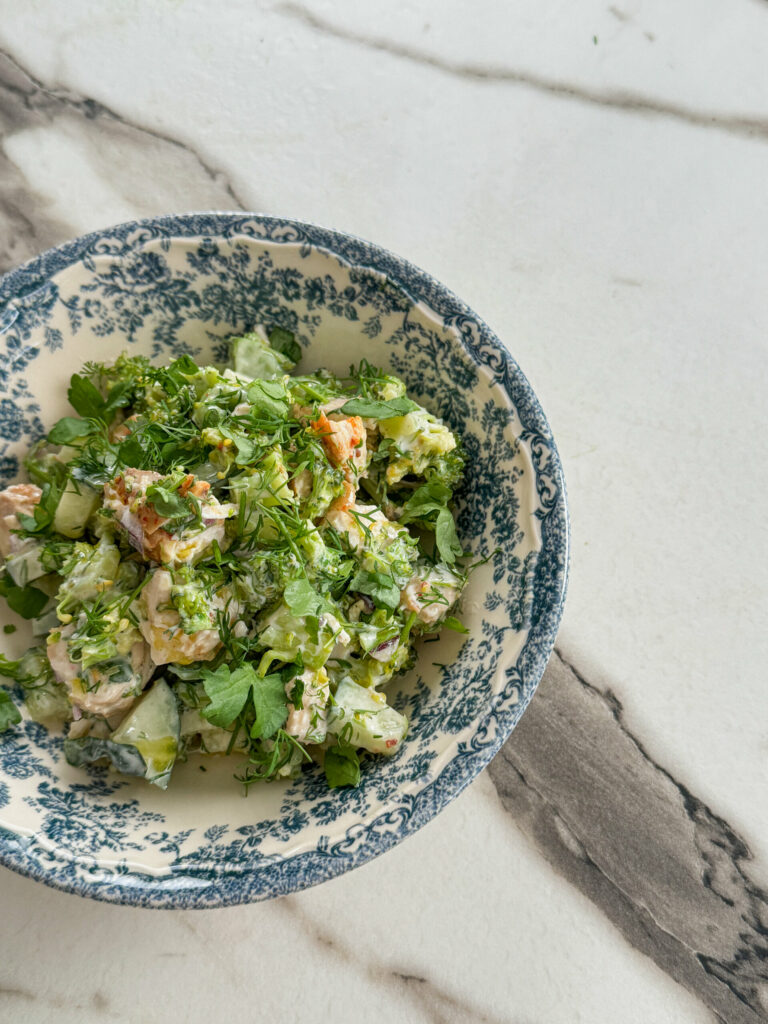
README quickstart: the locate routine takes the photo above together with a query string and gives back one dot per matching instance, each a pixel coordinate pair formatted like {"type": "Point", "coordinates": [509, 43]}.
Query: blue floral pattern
{"type": "Point", "coordinates": [181, 284]}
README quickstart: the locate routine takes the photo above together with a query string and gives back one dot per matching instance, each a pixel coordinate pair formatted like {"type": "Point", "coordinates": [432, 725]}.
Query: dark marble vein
{"type": "Point", "coordinates": [615, 99]}
{"type": "Point", "coordinates": [666, 870]}
{"type": "Point", "coordinates": [176, 177]}
{"type": "Point", "coordinates": [14, 992]}
{"type": "Point", "coordinates": [97, 1003]}
{"type": "Point", "coordinates": [435, 1004]}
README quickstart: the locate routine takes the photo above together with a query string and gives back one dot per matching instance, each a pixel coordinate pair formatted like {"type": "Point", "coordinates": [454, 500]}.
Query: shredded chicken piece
{"type": "Point", "coordinates": [311, 716]}
{"type": "Point", "coordinates": [161, 628]}
{"type": "Point", "coordinates": [104, 698]}
{"type": "Point", "coordinates": [301, 484]}
{"type": "Point", "coordinates": [344, 441]}
{"type": "Point", "coordinates": [16, 500]}
{"type": "Point", "coordinates": [126, 497]}
{"type": "Point", "coordinates": [430, 597]}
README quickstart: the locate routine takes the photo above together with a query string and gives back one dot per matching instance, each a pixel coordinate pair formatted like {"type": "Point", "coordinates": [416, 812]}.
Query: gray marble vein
{"type": "Point", "coordinates": [122, 151]}
{"type": "Point", "coordinates": [746, 126]}
{"type": "Point", "coordinates": [663, 867]}
{"type": "Point", "coordinates": [97, 1004]}
{"type": "Point", "coordinates": [435, 1004]}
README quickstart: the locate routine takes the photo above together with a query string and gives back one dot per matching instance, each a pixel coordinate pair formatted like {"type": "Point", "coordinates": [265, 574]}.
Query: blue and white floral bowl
{"type": "Point", "coordinates": [182, 284]}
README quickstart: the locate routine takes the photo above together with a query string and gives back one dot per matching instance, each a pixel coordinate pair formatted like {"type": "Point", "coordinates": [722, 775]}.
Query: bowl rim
{"type": "Point", "coordinates": [374, 836]}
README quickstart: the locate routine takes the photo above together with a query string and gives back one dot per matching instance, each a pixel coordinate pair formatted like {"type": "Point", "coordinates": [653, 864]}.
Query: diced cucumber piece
{"type": "Point", "coordinates": [367, 718]}
{"type": "Point", "coordinates": [87, 749]}
{"type": "Point", "coordinates": [285, 634]}
{"type": "Point", "coordinates": [47, 702]}
{"type": "Point", "coordinates": [46, 622]}
{"type": "Point", "coordinates": [153, 728]}
{"type": "Point", "coordinates": [88, 571]}
{"type": "Point", "coordinates": [254, 357]}
{"type": "Point", "coordinates": [74, 510]}
{"type": "Point", "coordinates": [24, 566]}
{"type": "Point", "coordinates": [213, 740]}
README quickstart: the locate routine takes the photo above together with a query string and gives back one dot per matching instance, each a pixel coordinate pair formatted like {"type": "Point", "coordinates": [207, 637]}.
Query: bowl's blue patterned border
{"type": "Point", "coordinates": [263, 880]}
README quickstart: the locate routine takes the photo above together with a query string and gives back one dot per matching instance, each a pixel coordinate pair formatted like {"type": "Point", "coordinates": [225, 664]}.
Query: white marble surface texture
{"type": "Point", "coordinates": [591, 178]}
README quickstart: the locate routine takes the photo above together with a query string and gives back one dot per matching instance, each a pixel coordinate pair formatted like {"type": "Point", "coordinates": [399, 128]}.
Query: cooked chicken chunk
{"type": "Point", "coordinates": [308, 723]}
{"type": "Point", "coordinates": [344, 440]}
{"type": "Point", "coordinates": [16, 500]}
{"type": "Point", "coordinates": [432, 595]}
{"type": "Point", "coordinates": [91, 690]}
{"type": "Point", "coordinates": [126, 496]}
{"type": "Point", "coordinates": [161, 624]}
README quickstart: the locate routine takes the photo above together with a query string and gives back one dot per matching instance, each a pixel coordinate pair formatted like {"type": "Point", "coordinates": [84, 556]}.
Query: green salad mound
{"type": "Point", "coordinates": [230, 560]}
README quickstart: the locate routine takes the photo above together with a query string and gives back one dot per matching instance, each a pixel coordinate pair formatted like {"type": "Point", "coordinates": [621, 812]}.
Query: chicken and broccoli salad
{"type": "Point", "coordinates": [233, 559]}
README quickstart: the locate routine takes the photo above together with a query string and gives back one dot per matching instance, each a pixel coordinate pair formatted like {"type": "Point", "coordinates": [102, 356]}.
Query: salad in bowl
{"type": "Point", "coordinates": [277, 505]}
{"type": "Point", "coordinates": [230, 560]}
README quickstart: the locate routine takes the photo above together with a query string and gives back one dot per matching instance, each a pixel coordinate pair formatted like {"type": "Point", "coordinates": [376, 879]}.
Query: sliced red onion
{"type": "Point", "coordinates": [385, 651]}
{"type": "Point", "coordinates": [133, 528]}
{"type": "Point", "coordinates": [77, 714]}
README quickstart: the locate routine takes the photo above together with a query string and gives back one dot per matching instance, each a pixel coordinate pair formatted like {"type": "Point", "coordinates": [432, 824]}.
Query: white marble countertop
{"type": "Point", "coordinates": [591, 178]}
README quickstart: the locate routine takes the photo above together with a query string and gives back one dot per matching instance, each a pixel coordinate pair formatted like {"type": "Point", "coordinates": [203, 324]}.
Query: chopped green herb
{"type": "Point", "coordinates": [9, 713]}
{"type": "Point", "coordinates": [446, 538]}
{"type": "Point", "coordinates": [271, 706]}
{"type": "Point", "coordinates": [228, 692]}
{"type": "Point", "coordinates": [342, 765]}
{"type": "Point", "coordinates": [378, 410]}
{"type": "Point", "coordinates": [377, 585]}
{"type": "Point", "coordinates": [27, 601]}
{"type": "Point", "coordinates": [452, 623]}
{"type": "Point", "coordinates": [285, 342]}
{"type": "Point", "coordinates": [69, 429]}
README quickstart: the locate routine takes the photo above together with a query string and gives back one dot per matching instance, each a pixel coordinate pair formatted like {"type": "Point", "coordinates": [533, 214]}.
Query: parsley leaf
{"type": "Point", "coordinates": [167, 502]}
{"type": "Point", "coordinates": [378, 410]}
{"type": "Point", "coordinates": [84, 397]}
{"type": "Point", "coordinates": [268, 399]}
{"type": "Point", "coordinates": [69, 428]}
{"type": "Point", "coordinates": [450, 622]}
{"type": "Point", "coordinates": [44, 511]}
{"type": "Point", "coordinates": [285, 342]}
{"type": "Point", "coordinates": [27, 601]}
{"type": "Point", "coordinates": [302, 598]}
{"type": "Point", "coordinates": [181, 368]}
{"type": "Point", "coordinates": [342, 765]}
{"type": "Point", "coordinates": [228, 692]}
{"type": "Point", "coordinates": [9, 713]}
{"type": "Point", "coordinates": [246, 449]}
{"type": "Point", "coordinates": [131, 452]}
{"type": "Point", "coordinates": [433, 496]}
{"type": "Point", "coordinates": [447, 541]}
{"type": "Point", "coordinates": [118, 397]}
{"type": "Point", "coordinates": [271, 705]}
{"type": "Point", "coordinates": [378, 586]}
{"type": "Point", "coordinates": [179, 510]}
